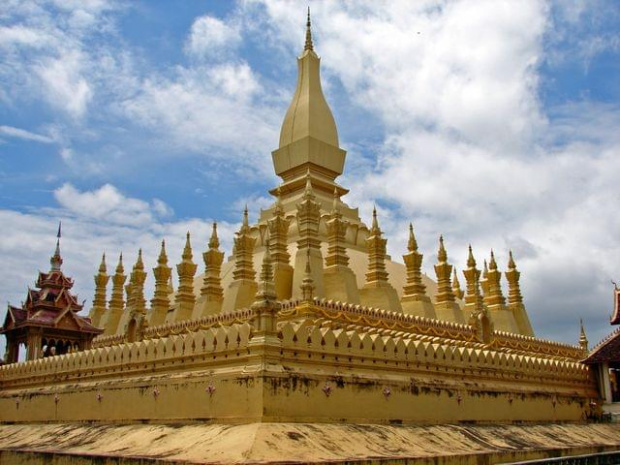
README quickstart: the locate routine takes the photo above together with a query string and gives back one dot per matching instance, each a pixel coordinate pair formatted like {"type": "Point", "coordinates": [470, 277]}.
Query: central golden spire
{"type": "Point", "coordinates": [309, 137]}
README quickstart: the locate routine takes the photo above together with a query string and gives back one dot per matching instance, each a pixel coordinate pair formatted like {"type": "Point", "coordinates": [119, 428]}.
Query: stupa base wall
{"type": "Point", "coordinates": [306, 373]}
{"type": "Point", "coordinates": [80, 444]}
{"type": "Point", "coordinates": [296, 392]}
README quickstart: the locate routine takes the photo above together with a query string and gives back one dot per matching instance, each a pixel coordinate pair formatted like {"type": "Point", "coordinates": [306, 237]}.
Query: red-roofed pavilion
{"type": "Point", "coordinates": [48, 323]}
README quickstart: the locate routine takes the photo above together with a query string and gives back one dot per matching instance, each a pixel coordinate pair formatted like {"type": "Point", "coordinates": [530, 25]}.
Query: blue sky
{"type": "Point", "coordinates": [494, 123]}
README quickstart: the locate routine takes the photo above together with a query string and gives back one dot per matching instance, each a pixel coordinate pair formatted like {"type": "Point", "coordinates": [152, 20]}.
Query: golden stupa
{"type": "Point", "coordinates": [309, 344]}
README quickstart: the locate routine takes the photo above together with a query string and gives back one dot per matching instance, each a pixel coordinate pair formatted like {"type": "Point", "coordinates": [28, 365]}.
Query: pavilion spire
{"type": "Point", "coordinates": [56, 260]}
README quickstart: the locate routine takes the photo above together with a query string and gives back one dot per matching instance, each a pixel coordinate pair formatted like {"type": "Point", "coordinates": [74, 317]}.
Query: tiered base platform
{"type": "Point", "coordinates": [77, 444]}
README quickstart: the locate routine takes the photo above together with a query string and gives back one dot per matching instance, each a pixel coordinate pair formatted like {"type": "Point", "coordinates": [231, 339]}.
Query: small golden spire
{"type": "Point", "coordinates": [442, 255]}
{"type": "Point", "coordinates": [160, 303]}
{"type": "Point", "coordinates": [214, 241]}
{"type": "Point", "coordinates": [414, 290]}
{"type": "Point", "coordinates": [135, 300]}
{"type": "Point", "coordinates": [308, 45]}
{"type": "Point", "coordinates": [99, 301]}
{"type": "Point", "coordinates": [267, 273]}
{"type": "Point", "coordinates": [493, 295]}
{"type": "Point", "coordinates": [515, 299]}
{"type": "Point", "coordinates": [485, 270]}
{"type": "Point", "coordinates": [117, 300]}
{"type": "Point", "coordinates": [266, 295]}
{"type": "Point", "coordinates": [185, 298]}
{"type": "Point", "coordinates": [307, 284]}
{"type": "Point", "coordinates": [444, 297]}
{"type": "Point", "coordinates": [456, 285]}
{"type": "Point", "coordinates": [473, 297]}
{"type": "Point", "coordinates": [412, 244]}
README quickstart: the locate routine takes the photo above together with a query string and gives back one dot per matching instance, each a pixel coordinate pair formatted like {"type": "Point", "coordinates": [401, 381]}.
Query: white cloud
{"type": "Point", "coordinates": [212, 37]}
{"type": "Point", "coordinates": [109, 204]}
{"type": "Point", "coordinates": [209, 111]}
{"type": "Point", "coordinates": [26, 135]}
{"type": "Point", "coordinates": [47, 55]}
{"type": "Point", "coordinates": [66, 85]}
{"type": "Point", "coordinates": [20, 35]}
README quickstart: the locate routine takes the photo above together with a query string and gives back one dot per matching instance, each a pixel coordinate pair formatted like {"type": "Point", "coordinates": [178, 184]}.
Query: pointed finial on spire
{"type": "Point", "coordinates": [139, 263]}
{"type": "Point", "coordinates": [308, 45]}
{"type": "Point", "coordinates": [485, 270]}
{"type": "Point", "coordinates": [492, 262]}
{"type": "Point", "coordinates": [583, 340]}
{"type": "Point", "coordinates": [119, 267]}
{"type": "Point", "coordinates": [214, 241]}
{"type": "Point", "coordinates": [187, 250]}
{"type": "Point", "coordinates": [511, 262]}
{"type": "Point", "coordinates": [412, 244]}
{"type": "Point", "coordinates": [442, 255]}
{"type": "Point", "coordinates": [163, 258]}
{"type": "Point", "coordinates": [102, 266]}
{"type": "Point", "coordinates": [246, 223]}
{"type": "Point", "coordinates": [471, 261]}
{"type": "Point", "coordinates": [374, 229]}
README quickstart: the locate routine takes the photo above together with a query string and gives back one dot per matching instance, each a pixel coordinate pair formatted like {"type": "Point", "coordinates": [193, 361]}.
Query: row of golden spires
{"type": "Point", "coordinates": [414, 298]}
